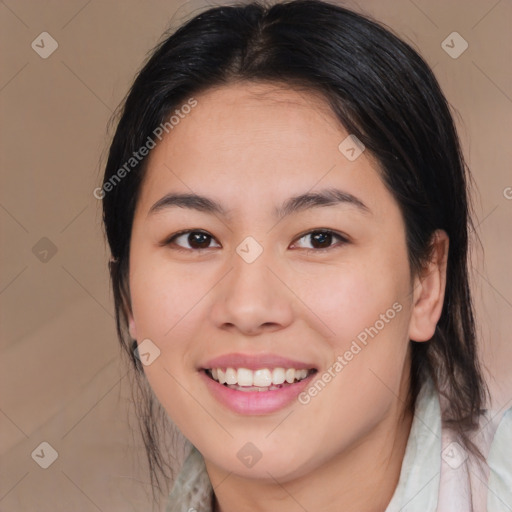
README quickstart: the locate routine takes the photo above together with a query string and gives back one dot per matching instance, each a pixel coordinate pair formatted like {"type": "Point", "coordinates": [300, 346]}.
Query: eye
{"type": "Point", "coordinates": [195, 239]}
{"type": "Point", "coordinates": [322, 239]}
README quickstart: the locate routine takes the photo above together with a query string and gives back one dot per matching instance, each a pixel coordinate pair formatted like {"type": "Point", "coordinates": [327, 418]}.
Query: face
{"type": "Point", "coordinates": [255, 281]}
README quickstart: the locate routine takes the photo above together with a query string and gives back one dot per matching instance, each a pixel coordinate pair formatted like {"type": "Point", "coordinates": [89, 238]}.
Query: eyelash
{"type": "Point", "coordinates": [343, 240]}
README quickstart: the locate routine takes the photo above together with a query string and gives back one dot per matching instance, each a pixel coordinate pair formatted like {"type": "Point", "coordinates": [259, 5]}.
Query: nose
{"type": "Point", "coordinates": [251, 299]}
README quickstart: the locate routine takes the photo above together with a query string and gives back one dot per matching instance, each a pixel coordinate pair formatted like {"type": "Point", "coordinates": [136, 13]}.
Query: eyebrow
{"type": "Point", "coordinates": [326, 197]}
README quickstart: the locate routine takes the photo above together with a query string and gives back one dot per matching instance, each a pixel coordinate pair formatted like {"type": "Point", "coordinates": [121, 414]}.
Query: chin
{"type": "Point", "coordinates": [264, 465]}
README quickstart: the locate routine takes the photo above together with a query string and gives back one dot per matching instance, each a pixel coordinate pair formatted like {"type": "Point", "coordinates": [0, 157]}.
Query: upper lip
{"type": "Point", "coordinates": [255, 362]}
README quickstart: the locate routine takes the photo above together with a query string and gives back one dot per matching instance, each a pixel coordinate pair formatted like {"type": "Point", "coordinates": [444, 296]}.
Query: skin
{"type": "Point", "coordinates": [250, 147]}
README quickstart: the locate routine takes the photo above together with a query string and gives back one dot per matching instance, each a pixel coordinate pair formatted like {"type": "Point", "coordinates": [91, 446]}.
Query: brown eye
{"type": "Point", "coordinates": [196, 240]}
{"type": "Point", "coordinates": [322, 239]}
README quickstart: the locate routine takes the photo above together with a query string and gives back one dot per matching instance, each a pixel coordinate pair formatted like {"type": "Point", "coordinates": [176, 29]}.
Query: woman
{"type": "Point", "coordinates": [286, 205]}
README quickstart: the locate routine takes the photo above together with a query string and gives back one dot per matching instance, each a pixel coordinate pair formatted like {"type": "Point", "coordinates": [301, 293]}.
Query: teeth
{"type": "Point", "coordinates": [262, 378]}
{"type": "Point", "coordinates": [278, 376]}
{"type": "Point", "coordinates": [301, 374]}
{"type": "Point", "coordinates": [231, 377]}
{"type": "Point", "coordinates": [244, 377]}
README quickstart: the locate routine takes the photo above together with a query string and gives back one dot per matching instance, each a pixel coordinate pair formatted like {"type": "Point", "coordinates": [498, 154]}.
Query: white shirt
{"type": "Point", "coordinates": [437, 475]}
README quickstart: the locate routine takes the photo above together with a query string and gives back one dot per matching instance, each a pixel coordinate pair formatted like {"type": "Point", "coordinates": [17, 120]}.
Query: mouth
{"type": "Point", "coordinates": [259, 380]}
{"type": "Point", "coordinates": [256, 384]}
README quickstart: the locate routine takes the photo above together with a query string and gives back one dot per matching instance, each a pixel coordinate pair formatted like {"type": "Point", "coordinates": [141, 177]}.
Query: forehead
{"type": "Point", "coordinates": [244, 95]}
{"type": "Point", "coordinates": [245, 116]}
{"type": "Point", "coordinates": [268, 139]}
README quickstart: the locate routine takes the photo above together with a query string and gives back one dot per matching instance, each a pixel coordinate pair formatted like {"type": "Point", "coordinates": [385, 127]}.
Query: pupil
{"type": "Point", "coordinates": [324, 239]}
{"type": "Point", "coordinates": [199, 239]}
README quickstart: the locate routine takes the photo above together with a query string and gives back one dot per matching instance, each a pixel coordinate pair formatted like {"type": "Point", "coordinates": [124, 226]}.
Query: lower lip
{"type": "Point", "coordinates": [255, 402]}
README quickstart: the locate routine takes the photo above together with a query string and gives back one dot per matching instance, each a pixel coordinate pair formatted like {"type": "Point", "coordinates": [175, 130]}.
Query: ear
{"type": "Point", "coordinates": [131, 326]}
{"type": "Point", "coordinates": [429, 289]}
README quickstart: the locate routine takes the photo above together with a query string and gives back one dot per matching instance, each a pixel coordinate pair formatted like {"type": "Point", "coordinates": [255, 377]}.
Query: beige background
{"type": "Point", "coordinates": [61, 381]}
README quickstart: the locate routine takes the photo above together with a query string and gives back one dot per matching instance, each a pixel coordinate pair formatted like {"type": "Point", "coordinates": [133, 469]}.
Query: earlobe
{"type": "Point", "coordinates": [131, 326]}
{"type": "Point", "coordinates": [429, 290]}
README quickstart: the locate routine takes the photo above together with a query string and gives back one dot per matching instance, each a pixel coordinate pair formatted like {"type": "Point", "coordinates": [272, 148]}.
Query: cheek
{"type": "Point", "coordinates": [351, 297]}
{"type": "Point", "coordinates": [162, 296]}
{"type": "Point", "coordinates": [164, 302]}
{"type": "Point", "coordinates": [365, 306]}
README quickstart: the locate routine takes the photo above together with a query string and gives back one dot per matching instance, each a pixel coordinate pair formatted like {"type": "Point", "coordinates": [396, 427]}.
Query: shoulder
{"type": "Point", "coordinates": [499, 460]}
{"type": "Point", "coordinates": [192, 490]}
{"type": "Point", "coordinates": [468, 482]}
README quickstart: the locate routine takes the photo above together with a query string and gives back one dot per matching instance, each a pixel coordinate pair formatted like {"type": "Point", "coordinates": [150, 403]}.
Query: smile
{"type": "Point", "coordinates": [256, 392]}
{"type": "Point", "coordinates": [263, 379]}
